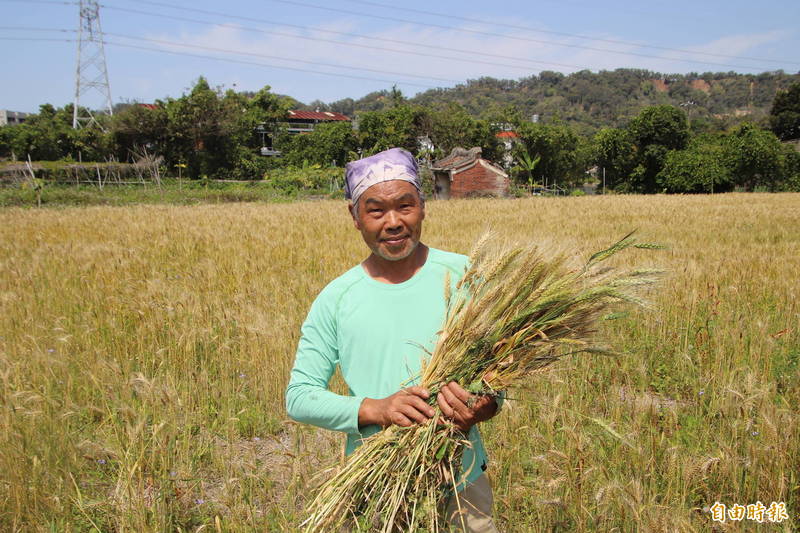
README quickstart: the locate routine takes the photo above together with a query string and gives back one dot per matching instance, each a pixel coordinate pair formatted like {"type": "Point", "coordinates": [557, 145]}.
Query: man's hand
{"type": "Point", "coordinates": [455, 404]}
{"type": "Point", "coordinates": [402, 408]}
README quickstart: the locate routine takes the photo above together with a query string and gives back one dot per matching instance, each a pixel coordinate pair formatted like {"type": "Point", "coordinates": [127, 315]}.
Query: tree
{"type": "Point", "coordinates": [137, 127]}
{"type": "Point", "coordinates": [48, 136]}
{"type": "Point", "coordinates": [654, 132]}
{"type": "Point", "coordinates": [265, 107]}
{"type": "Point", "coordinates": [784, 118]}
{"type": "Point", "coordinates": [791, 169]}
{"type": "Point", "coordinates": [701, 168]}
{"type": "Point", "coordinates": [526, 164]}
{"type": "Point", "coordinates": [451, 127]}
{"type": "Point", "coordinates": [394, 127]}
{"type": "Point", "coordinates": [345, 106]}
{"type": "Point", "coordinates": [614, 155]}
{"type": "Point", "coordinates": [214, 134]}
{"type": "Point", "coordinates": [756, 158]}
{"type": "Point", "coordinates": [396, 97]}
{"type": "Point", "coordinates": [198, 131]}
{"type": "Point", "coordinates": [664, 125]}
{"type": "Point", "coordinates": [558, 147]}
{"type": "Point", "coordinates": [329, 143]}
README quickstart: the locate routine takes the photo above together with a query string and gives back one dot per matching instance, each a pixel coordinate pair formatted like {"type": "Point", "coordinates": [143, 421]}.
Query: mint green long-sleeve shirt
{"type": "Point", "coordinates": [373, 332]}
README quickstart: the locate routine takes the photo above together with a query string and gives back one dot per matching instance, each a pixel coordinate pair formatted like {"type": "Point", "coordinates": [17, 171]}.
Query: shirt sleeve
{"type": "Point", "coordinates": [308, 399]}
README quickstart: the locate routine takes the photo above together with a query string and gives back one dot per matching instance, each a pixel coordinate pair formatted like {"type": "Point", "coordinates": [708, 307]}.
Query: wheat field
{"type": "Point", "coordinates": [144, 351]}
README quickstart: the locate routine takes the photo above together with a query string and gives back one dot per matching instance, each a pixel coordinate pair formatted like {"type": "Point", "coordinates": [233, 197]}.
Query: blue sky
{"type": "Point", "coordinates": [357, 46]}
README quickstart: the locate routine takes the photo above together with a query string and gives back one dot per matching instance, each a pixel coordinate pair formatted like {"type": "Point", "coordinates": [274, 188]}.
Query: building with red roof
{"type": "Point", "coordinates": [509, 139]}
{"type": "Point", "coordinates": [464, 173]}
{"type": "Point", "coordinates": [305, 121]}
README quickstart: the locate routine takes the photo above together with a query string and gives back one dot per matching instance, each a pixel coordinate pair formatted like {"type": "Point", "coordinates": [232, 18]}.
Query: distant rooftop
{"type": "Point", "coordinates": [12, 117]}
{"type": "Point", "coordinates": [317, 115]}
{"type": "Point", "coordinates": [458, 158]}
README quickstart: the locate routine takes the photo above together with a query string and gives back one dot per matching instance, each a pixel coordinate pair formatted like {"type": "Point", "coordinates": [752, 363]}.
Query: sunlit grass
{"type": "Point", "coordinates": [144, 351]}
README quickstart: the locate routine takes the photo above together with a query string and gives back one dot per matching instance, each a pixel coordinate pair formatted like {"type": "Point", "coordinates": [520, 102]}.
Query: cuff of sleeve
{"type": "Point", "coordinates": [354, 405]}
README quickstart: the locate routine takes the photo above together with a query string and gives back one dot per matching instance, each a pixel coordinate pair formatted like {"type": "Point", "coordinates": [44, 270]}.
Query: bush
{"type": "Point", "coordinates": [306, 178]}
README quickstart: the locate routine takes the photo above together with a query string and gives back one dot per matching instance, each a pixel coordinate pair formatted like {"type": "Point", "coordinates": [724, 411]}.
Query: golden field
{"type": "Point", "coordinates": [144, 351]}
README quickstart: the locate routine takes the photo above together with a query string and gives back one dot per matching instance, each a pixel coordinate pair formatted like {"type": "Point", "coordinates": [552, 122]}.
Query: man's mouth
{"type": "Point", "coordinates": [393, 241]}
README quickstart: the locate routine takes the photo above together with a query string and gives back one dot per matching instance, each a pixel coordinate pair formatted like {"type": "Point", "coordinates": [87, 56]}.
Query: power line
{"type": "Point", "coordinates": [516, 38]}
{"type": "Point", "coordinates": [526, 28]}
{"type": "Point", "coordinates": [237, 52]}
{"type": "Point", "coordinates": [267, 56]}
{"type": "Point", "coordinates": [29, 28]}
{"type": "Point", "coordinates": [269, 65]}
{"type": "Point", "coordinates": [440, 26]}
{"type": "Point", "coordinates": [60, 2]}
{"type": "Point", "coordinates": [38, 39]}
{"type": "Point", "coordinates": [357, 35]}
{"type": "Point", "coordinates": [357, 45]}
{"type": "Point", "coordinates": [226, 60]}
{"type": "Point", "coordinates": [574, 35]}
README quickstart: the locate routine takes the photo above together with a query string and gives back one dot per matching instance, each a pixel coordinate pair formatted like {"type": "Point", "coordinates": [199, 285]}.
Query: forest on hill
{"type": "Point", "coordinates": [589, 101]}
{"type": "Point", "coordinates": [633, 131]}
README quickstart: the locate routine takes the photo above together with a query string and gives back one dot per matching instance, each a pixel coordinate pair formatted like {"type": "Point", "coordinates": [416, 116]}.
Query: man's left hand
{"type": "Point", "coordinates": [455, 403]}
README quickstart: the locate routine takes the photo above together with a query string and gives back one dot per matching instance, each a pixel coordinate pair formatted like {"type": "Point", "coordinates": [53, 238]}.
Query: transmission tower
{"type": "Point", "coordinates": [91, 71]}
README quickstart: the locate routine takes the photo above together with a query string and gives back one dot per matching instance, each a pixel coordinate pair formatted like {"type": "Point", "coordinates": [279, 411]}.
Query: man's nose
{"type": "Point", "coordinates": [393, 221]}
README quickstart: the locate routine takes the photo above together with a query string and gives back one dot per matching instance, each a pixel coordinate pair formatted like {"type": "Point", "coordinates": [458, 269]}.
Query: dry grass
{"type": "Point", "coordinates": [144, 351]}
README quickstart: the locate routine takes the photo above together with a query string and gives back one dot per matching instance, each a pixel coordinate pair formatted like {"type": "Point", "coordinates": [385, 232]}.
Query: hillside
{"type": "Point", "coordinates": [589, 100]}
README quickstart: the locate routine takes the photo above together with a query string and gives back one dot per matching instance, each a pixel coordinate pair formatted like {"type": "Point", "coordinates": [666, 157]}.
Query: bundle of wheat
{"type": "Point", "coordinates": [515, 311]}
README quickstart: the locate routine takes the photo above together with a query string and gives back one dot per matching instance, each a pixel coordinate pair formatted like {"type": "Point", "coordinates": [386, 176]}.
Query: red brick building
{"type": "Point", "coordinates": [464, 173]}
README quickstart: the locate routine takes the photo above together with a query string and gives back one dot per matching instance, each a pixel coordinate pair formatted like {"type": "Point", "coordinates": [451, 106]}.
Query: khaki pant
{"type": "Point", "coordinates": [476, 508]}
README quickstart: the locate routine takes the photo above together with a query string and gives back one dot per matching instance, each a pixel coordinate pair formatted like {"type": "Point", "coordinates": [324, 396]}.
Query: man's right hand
{"type": "Point", "coordinates": [403, 408]}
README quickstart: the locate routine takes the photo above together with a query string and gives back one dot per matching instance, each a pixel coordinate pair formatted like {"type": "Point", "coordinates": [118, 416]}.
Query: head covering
{"type": "Point", "coordinates": [392, 164]}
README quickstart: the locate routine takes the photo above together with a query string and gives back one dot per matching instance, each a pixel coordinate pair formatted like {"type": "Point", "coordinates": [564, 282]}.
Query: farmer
{"type": "Point", "coordinates": [372, 322]}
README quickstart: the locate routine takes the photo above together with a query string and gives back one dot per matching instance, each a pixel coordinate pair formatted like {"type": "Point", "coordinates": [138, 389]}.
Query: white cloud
{"type": "Point", "coordinates": [738, 45]}
{"type": "Point", "coordinates": [486, 55]}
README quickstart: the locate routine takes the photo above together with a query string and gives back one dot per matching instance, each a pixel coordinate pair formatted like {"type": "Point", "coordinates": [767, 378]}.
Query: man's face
{"type": "Point", "coordinates": [389, 217]}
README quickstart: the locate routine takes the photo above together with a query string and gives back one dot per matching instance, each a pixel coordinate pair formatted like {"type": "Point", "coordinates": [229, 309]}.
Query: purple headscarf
{"type": "Point", "coordinates": [392, 164]}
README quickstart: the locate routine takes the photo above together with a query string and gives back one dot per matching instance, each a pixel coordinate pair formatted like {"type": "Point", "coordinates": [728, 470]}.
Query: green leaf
{"type": "Point", "coordinates": [440, 453]}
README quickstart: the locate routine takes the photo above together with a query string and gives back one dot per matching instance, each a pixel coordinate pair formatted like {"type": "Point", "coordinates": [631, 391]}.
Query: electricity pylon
{"type": "Point", "coordinates": [91, 71]}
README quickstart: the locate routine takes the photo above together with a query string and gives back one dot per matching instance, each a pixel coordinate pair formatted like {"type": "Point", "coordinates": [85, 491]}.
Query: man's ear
{"type": "Point", "coordinates": [353, 215]}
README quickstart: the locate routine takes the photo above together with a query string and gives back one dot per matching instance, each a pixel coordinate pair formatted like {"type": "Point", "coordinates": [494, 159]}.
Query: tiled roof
{"type": "Point", "coordinates": [148, 106]}
{"type": "Point", "coordinates": [458, 158]}
{"type": "Point", "coordinates": [507, 135]}
{"type": "Point", "coordinates": [461, 159]}
{"type": "Point", "coordinates": [316, 115]}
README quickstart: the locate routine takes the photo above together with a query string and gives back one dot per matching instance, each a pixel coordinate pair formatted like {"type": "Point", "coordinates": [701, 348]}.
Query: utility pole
{"type": "Point", "coordinates": [688, 106]}
{"type": "Point", "coordinates": [91, 71]}
{"type": "Point", "coordinates": [604, 180]}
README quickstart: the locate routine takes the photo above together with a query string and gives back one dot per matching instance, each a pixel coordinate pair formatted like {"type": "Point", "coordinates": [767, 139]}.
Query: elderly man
{"type": "Point", "coordinates": [372, 321]}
